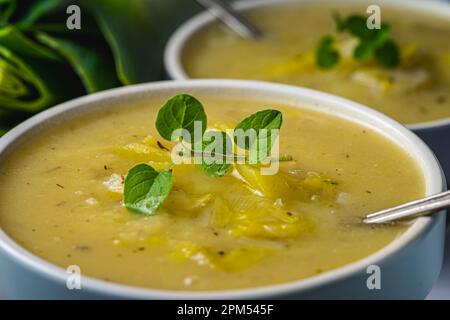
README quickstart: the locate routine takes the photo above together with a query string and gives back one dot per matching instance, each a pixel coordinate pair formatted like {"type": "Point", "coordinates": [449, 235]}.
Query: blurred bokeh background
{"type": "Point", "coordinates": [43, 63]}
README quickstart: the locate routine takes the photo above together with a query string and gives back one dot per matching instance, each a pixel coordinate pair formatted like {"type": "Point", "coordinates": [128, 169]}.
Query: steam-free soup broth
{"type": "Point", "coordinates": [61, 198]}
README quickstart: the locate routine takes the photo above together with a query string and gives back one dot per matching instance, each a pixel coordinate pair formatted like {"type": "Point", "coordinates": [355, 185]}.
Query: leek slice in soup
{"type": "Point", "coordinates": [61, 197]}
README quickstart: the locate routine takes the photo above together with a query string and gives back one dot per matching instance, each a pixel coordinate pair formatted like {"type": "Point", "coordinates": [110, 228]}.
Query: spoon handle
{"type": "Point", "coordinates": [415, 208]}
{"type": "Point", "coordinates": [233, 19]}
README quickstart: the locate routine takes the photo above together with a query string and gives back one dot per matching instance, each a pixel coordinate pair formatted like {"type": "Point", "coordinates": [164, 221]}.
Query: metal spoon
{"type": "Point", "coordinates": [425, 206]}
{"type": "Point", "coordinates": [233, 19]}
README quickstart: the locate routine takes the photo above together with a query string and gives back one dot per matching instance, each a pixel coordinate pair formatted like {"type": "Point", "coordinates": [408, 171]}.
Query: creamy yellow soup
{"type": "Point", "coordinates": [61, 198]}
{"type": "Point", "coordinates": [416, 91]}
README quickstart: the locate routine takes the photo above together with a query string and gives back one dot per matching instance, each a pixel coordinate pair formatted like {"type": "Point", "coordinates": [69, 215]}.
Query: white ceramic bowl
{"type": "Point", "coordinates": [409, 265]}
{"type": "Point", "coordinates": [435, 133]}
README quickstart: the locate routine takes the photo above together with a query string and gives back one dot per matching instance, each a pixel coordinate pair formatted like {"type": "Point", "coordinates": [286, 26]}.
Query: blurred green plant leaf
{"type": "Point", "coordinates": [29, 11]}
{"type": "Point", "coordinates": [136, 31]}
{"type": "Point", "coordinates": [43, 63]}
{"type": "Point", "coordinates": [127, 40]}
{"type": "Point", "coordinates": [326, 55]}
{"type": "Point", "coordinates": [94, 67]}
{"type": "Point", "coordinates": [26, 83]}
{"type": "Point", "coordinates": [15, 40]}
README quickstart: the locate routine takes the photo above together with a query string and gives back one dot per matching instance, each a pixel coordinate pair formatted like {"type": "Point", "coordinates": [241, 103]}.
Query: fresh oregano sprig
{"type": "Point", "coordinates": [372, 43]}
{"type": "Point", "coordinates": [146, 189]}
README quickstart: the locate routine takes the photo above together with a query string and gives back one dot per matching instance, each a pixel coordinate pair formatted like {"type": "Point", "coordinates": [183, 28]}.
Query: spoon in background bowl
{"type": "Point", "coordinates": [425, 206]}
{"type": "Point", "coordinates": [233, 19]}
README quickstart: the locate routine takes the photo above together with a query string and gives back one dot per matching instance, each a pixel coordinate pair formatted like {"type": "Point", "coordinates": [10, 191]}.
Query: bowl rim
{"type": "Point", "coordinates": [176, 43]}
{"type": "Point", "coordinates": [425, 159]}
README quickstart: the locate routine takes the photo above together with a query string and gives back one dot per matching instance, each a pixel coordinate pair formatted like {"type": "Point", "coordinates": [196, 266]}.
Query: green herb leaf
{"type": "Point", "coordinates": [363, 51]}
{"type": "Point", "coordinates": [388, 54]}
{"type": "Point", "coordinates": [267, 119]}
{"type": "Point", "coordinates": [146, 189]}
{"type": "Point", "coordinates": [218, 149]}
{"type": "Point", "coordinates": [180, 112]}
{"type": "Point", "coordinates": [381, 35]}
{"type": "Point", "coordinates": [254, 133]}
{"type": "Point", "coordinates": [373, 43]}
{"type": "Point", "coordinates": [326, 56]}
{"type": "Point", "coordinates": [357, 26]}
{"type": "Point", "coordinates": [339, 22]}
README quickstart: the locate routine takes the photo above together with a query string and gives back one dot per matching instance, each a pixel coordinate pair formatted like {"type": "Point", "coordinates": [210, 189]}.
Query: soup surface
{"type": "Point", "coordinates": [416, 91]}
{"type": "Point", "coordinates": [61, 194]}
